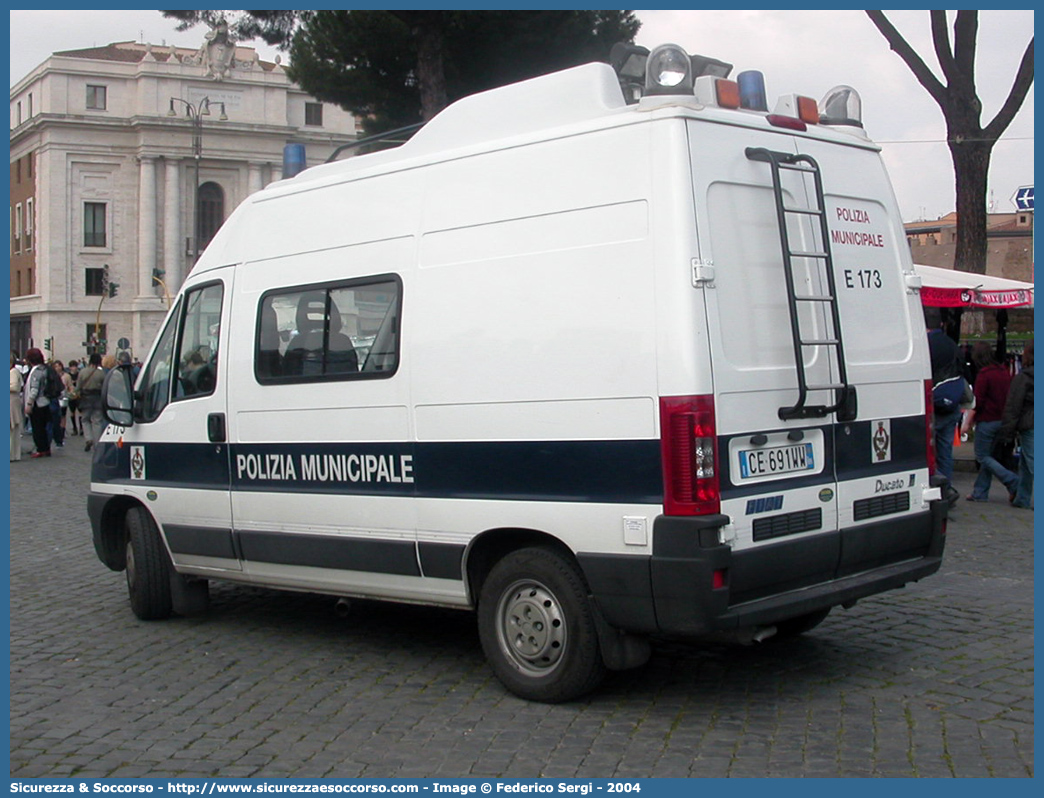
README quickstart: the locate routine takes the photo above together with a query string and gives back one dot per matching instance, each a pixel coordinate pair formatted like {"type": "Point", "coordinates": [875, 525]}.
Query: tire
{"type": "Point", "coordinates": [537, 628]}
{"type": "Point", "coordinates": [792, 627]}
{"type": "Point", "coordinates": [148, 568]}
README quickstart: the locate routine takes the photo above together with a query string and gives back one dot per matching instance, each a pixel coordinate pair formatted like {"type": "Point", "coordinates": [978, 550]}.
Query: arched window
{"type": "Point", "coordinates": [210, 212]}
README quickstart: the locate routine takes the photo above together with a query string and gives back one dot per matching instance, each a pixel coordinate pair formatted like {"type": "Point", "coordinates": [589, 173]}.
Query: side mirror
{"type": "Point", "coordinates": [118, 397]}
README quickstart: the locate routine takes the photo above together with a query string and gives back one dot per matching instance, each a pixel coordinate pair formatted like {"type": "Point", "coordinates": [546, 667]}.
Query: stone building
{"type": "Point", "coordinates": [125, 160]}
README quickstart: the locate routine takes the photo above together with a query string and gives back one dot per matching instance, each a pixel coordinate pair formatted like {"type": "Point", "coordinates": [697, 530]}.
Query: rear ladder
{"type": "Point", "coordinates": [844, 393]}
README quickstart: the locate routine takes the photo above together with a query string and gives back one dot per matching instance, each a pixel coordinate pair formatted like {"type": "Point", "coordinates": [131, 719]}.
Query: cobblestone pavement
{"type": "Point", "coordinates": [932, 680]}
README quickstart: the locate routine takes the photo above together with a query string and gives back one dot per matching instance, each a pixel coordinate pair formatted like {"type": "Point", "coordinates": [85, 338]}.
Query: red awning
{"type": "Point", "coordinates": [948, 288]}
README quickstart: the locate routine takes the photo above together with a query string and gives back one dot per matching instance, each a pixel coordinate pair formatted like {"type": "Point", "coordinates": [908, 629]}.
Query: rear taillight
{"type": "Point", "coordinates": [688, 447]}
{"type": "Point", "coordinates": [929, 426]}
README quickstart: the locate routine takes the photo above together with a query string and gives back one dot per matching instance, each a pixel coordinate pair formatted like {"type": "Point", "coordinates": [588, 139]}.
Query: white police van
{"type": "Point", "coordinates": [600, 368]}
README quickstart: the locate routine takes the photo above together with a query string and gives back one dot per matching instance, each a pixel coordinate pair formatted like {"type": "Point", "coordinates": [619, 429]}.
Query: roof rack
{"type": "Point", "coordinates": [378, 137]}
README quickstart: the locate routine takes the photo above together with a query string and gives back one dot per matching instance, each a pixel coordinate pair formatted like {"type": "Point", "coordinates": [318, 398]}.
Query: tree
{"type": "Point", "coordinates": [396, 68]}
{"type": "Point", "coordinates": [971, 144]}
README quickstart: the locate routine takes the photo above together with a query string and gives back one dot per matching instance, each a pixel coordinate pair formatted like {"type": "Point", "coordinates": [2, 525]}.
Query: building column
{"type": "Point", "coordinates": [254, 182]}
{"type": "Point", "coordinates": [147, 220]}
{"type": "Point", "coordinates": [172, 244]}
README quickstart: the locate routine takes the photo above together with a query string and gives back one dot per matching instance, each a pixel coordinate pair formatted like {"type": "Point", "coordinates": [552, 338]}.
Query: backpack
{"type": "Point", "coordinates": [52, 384]}
{"type": "Point", "coordinates": [947, 395]}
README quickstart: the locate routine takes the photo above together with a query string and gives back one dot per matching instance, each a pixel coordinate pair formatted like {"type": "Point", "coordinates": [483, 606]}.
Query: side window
{"type": "Point", "coordinates": [184, 364]}
{"type": "Point", "coordinates": [198, 351]}
{"type": "Point", "coordinates": [154, 384]}
{"type": "Point", "coordinates": [329, 332]}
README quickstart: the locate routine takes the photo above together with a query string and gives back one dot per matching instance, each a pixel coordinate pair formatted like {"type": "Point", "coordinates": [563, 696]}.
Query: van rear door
{"type": "Point", "coordinates": [793, 481]}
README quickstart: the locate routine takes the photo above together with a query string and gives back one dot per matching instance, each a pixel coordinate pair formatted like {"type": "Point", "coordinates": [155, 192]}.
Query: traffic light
{"type": "Point", "coordinates": [113, 289]}
{"type": "Point", "coordinates": [157, 276]}
{"type": "Point", "coordinates": [49, 344]}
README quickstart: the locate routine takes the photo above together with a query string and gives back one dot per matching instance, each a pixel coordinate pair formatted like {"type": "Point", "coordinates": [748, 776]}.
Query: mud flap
{"type": "Point", "coordinates": [188, 596]}
{"type": "Point", "coordinates": [620, 651]}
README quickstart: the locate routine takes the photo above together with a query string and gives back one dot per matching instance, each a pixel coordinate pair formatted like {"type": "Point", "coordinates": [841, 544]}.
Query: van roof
{"type": "Point", "coordinates": [575, 97]}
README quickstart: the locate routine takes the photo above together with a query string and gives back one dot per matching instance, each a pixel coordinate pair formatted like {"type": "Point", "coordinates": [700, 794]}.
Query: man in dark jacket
{"type": "Point", "coordinates": [942, 350]}
{"type": "Point", "coordinates": [1018, 419]}
{"type": "Point", "coordinates": [37, 404]}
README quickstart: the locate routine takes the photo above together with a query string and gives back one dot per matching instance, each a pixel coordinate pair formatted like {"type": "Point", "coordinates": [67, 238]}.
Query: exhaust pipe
{"type": "Point", "coordinates": [343, 608]}
{"type": "Point", "coordinates": [763, 634]}
{"type": "Point", "coordinates": [746, 636]}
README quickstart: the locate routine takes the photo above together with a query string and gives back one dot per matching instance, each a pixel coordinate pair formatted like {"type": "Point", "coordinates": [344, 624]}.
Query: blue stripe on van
{"type": "Point", "coordinates": [613, 472]}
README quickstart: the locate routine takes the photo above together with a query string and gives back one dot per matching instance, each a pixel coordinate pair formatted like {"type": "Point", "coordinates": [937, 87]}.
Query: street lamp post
{"type": "Point", "coordinates": [195, 112]}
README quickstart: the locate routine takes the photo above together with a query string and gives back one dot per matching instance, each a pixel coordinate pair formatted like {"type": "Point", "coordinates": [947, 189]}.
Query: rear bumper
{"type": "Point", "coordinates": [672, 592]}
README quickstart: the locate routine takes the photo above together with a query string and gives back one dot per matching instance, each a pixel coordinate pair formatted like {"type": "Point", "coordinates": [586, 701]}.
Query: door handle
{"type": "Point", "coordinates": [216, 427]}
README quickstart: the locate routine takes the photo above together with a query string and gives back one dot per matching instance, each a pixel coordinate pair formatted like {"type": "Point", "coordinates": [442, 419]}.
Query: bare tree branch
{"type": "Point", "coordinates": [965, 33]}
{"type": "Point", "coordinates": [913, 60]}
{"type": "Point", "coordinates": [943, 51]}
{"type": "Point", "coordinates": [1019, 89]}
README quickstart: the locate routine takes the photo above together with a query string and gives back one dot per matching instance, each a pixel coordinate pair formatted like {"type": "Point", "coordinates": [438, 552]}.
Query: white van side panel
{"type": "Point", "coordinates": [539, 273]}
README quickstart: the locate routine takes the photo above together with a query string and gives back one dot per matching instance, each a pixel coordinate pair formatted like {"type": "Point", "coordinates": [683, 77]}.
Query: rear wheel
{"type": "Point", "coordinates": [537, 627]}
{"type": "Point", "coordinates": [148, 567]}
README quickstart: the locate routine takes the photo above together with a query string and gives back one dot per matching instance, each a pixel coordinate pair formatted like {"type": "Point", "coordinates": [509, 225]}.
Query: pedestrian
{"type": "Point", "coordinates": [109, 362]}
{"type": "Point", "coordinates": [17, 410]}
{"type": "Point", "coordinates": [1018, 420]}
{"type": "Point", "coordinates": [65, 400]}
{"type": "Point", "coordinates": [73, 372]}
{"type": "Point", "coordinates": [23, 369]}
{"type": "Point", "coordinates": [90, 385]}
{"type": "Point", "coordinates": [37, 405]}
{"type": "Point", "coordinates": [991, 394]}
{"type": "Point", "coordinates": [946, 366]}
{"type": "Point", "coordinates": [59, 404]}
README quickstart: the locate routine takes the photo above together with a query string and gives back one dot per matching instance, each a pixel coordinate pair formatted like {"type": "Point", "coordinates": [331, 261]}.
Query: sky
{"type": "Point", "coordinates": [803, 52]}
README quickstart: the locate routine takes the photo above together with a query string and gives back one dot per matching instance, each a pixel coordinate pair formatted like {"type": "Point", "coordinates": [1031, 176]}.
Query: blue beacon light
{"type": "Point", "coordinates": [752, 90]}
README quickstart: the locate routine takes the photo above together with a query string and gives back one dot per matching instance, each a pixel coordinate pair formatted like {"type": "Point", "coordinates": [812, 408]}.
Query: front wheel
{"type": "Point", "coordinates": [537, 627]}
{"type": "Point", "coordinates": [148, 567]}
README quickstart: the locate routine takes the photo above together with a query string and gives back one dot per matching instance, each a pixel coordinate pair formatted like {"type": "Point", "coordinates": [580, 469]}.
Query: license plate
{"type": "Point", "coordinates": [773, 460]}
